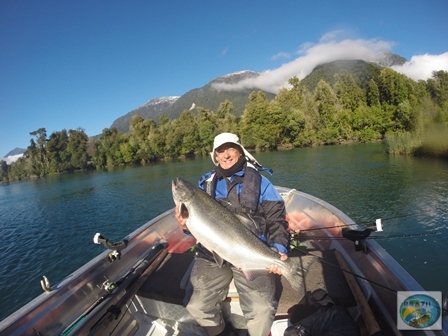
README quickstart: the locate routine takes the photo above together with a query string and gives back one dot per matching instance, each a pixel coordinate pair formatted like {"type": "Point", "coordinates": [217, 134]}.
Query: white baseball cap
{"type": "Point", "coordinates": [224, 138]}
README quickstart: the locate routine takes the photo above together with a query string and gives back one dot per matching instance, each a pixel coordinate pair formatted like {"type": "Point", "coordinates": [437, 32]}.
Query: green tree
{"type": "Point", "coordinates": [173, 139]}
{"type": "Point", "coordinates": [108, 148]}
{"type": "Point", "coordinates": [77, 149]}
{"type": "Point", "coordinates": [226, 119]}
{"type": "Point", "coordinates": [288, 104]}
{"type": "Point", "coordinates": [139, 140]}
{"type": "Point", "coordinates": [187, 130]}
{"type": "Point", "coordinates": [393, 87]}
{"type": "Point", "coordinates": [57, 151]}
{"type": "Point", "coordinates": [349, 94]}
{"type": "Point", "coordinates": [326, 102]}
{"type": "Point", "coordinates": [157, 139]}
{"type": "Point", "coordinates": [405, 118]}
{"type": "Point", "coordinates": [92, 152]}
{"type": "Point", "coordinates": [254, 121]}
{"type": "Point", "coordinates": [373, 94]}
{"type": "Point", "coordinates": [438, 87]}
{"type": "Point", "coordinates": [3, 171]}
{"type": "Point", "coordinates": [38, 153]}
{"type": "Point", "coordinates": [207, 124]}
{"type": "Point", "coordinates": [366, 124]}
{"type": "Point", "coordinates": [19, 170]}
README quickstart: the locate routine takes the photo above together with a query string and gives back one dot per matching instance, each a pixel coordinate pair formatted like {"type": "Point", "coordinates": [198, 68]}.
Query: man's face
{"type": "Point", "coordinates": [227, 155]}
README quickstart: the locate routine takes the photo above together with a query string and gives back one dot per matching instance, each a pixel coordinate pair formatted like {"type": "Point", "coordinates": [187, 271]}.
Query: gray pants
{"type": "Point", "coordinates": [208, 287]}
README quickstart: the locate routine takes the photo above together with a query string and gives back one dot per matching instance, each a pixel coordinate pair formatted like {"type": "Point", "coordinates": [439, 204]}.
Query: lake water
{"type": "Point", "coordinates": [47, 225]}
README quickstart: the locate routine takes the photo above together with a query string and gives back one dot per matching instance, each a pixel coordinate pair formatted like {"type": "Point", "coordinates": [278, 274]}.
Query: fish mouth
{"type": "Point", "coordinates": [174, 185]}
{"type": "Point", "coordinates": [179, 189]}
{"type": "Point", "coordinates": [176, 182]}
{"type": "Point", "coordinates": [182, 190]}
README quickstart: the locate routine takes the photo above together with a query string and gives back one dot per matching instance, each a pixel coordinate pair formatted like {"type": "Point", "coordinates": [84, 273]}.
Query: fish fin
{"type": "Point", "coordinates": [252, 274]}
{"type": "Point", "coordinates": [243, 219]}
{"type": "Point", "coordinates": [295, 272]}
{"type": "Point", "coordinates": [219, 261]}
{"type": "Point", "coordinates": [247, 222]}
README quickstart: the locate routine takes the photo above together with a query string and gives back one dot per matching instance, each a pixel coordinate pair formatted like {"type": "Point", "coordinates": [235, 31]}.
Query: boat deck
{"type": "Point", "coordinates": [319, 274]}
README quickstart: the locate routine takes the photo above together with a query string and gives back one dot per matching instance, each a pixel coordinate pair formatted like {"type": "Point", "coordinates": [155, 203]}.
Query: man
{"type": "Point", "coordinates": [237, 184]}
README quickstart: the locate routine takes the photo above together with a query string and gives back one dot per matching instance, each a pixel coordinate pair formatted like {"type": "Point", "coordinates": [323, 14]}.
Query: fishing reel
{"type": "Point", "coordinates": [358, 237]}
{"type": "Point", "coordinates": [116, 248]}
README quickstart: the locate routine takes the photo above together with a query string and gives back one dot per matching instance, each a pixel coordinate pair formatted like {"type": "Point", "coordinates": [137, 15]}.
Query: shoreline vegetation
{"type": "Point", "coordinates": [433, 143]}
{"type": "Point", "coordinates": [410, 117]}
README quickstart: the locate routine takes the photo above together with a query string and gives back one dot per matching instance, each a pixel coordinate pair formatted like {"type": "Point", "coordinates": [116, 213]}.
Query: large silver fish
{"type": "Point", "coordinates": [223, 233]}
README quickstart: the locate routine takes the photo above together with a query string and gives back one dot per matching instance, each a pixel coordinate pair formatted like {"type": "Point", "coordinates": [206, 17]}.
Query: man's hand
{"type": "Point", "coordinates": [274, 268]}
{"type": "Point", "coordinates": [181, 217]}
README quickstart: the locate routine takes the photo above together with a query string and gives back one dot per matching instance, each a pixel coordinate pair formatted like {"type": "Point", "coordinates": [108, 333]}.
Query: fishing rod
{"type": "Point", "coordinates": [344, 270]}
{"type": "Point", "coordinates": [408, 235]}
{"type": "Point", "coordinates": [109, 306]}
{"type": "Point", "coordinates": [356, 236]}
{"type": "Point", "coordinates": [442, 308]}
{"type": "Point", "coordinates": [129, 288]}
{"type": "Point", "coordinates": [378, 226]}
{"type": "Point", "coordinates": [368, 225]}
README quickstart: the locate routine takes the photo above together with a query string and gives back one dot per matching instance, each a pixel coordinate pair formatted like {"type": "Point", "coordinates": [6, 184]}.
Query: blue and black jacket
{"type": "Point", "coordinates": [249, 193]}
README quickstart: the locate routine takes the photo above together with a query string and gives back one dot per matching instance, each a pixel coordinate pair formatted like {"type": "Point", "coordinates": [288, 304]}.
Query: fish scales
{"type": "Point", "coordinates": [221, 232]}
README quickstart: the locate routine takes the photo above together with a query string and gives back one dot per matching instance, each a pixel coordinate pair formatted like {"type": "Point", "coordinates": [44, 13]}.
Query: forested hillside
{"type": "Point", "coordinates": [385, 105]}
{"type": "Point", "coordinates": [207, 97]}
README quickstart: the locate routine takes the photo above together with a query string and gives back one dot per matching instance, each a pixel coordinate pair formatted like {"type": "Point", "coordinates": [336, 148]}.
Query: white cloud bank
{"type": "Point", "coordinates": [11, 159]}
{"type": "Point", "coordinates": [330, 49]}
{"type": "Point", "coordinates": [422, 66]}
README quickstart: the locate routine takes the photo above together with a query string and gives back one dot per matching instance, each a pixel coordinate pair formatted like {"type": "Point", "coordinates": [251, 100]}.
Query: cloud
{"type": "Point", "coordinates": [280, 55]}
{"type": "Point", "coordinates": [11, 159]}
{"type": "Point", "coordinates": [328, 49]}
{"type": "Point", "coordinates": [422, 66]}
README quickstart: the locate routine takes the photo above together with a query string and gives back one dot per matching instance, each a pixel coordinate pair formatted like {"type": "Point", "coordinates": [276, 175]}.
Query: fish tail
{"type": "Point", "coordinates": [294, 272]}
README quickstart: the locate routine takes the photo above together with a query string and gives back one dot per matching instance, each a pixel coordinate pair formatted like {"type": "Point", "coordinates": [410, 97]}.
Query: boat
{"type": "Point", "coordinates": [136, 286]}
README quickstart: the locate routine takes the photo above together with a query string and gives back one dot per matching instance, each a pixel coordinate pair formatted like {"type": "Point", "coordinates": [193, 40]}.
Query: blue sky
{"type": "Point", "coordinates": [84, 63]}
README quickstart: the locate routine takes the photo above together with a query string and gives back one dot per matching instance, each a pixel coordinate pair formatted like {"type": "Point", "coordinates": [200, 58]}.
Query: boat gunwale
{"type": "Point", "coordinates": [76, 280]}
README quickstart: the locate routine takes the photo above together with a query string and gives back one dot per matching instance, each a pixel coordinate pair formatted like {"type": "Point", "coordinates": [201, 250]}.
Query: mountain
{"type": "Point", "coordinates": [207, 97]}
{"type": "Point", "coordinates": [386, 59]}
{"type": "Point", "coordinates": [13, 155]}
{"type": "Point", "coordinates": [150, 110]}
{"type": "Point", "coordinates": [15, 151]}
{"type": "Point", "coordinates": [362, 71]}
{"type": "Point", "coordinates": [210, 98]}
